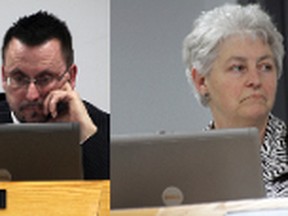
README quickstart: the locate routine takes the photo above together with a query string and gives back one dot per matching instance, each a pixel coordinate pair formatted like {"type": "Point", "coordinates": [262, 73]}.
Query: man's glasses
{"type": "Point", "coordinates": [21, 81]}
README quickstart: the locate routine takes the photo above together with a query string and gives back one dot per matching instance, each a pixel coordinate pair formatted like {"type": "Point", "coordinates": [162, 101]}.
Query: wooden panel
{"type": "Point", "coordinates": [55, 198]}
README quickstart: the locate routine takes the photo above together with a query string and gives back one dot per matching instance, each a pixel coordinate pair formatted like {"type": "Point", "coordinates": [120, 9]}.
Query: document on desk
{"type": "Point", "coordinates": [262, 212]}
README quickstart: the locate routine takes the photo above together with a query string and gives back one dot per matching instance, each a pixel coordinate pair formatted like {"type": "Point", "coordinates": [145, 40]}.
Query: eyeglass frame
{"type": "Point", "coordinates": [28, 80]}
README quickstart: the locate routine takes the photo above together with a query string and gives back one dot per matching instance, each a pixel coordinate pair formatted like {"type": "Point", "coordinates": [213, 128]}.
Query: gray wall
{"type": "Point", "coordinates": [89, 24]}
{"type": "Point", "coordinates": [150, 92]}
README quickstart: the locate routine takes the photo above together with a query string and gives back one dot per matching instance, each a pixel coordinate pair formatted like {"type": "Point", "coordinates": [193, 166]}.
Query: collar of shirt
{"type": "Point", "coordinates": [14, 118]}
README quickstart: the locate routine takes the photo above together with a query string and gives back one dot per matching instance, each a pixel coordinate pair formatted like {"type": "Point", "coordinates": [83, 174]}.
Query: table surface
{"type": "Point", "coordinates": [207, 209]}
{"type": "Point", "coordinates": [57, 198]}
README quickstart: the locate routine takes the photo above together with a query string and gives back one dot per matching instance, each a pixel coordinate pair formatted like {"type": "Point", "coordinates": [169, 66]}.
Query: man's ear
{"type": "Point", "coordinates": [4, 79]}
{"type": "Point", "coordinates": [73, 73]}
{"type": "Point", "coordinates": [199, 82]}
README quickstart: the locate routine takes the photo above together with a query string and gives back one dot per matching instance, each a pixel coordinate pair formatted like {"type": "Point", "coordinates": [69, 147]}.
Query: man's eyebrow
{"type": "Point", "coordinates": [16, 70]}
{"type": "Point", "coordinates": [43, 72]}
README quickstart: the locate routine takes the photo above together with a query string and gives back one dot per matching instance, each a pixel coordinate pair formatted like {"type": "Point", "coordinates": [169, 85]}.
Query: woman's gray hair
{"type": "Point", "coordinates": [212, 27]}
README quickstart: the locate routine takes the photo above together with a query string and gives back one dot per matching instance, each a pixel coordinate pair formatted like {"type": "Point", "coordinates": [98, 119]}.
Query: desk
{"type": "Point", "coordinates": [208, 209]}
{"type": "Point", "coordinates": [57, 198]}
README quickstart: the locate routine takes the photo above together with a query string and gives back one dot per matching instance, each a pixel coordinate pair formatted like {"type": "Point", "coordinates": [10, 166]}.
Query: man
{"type": "Point", "coordinates": [38, 77]}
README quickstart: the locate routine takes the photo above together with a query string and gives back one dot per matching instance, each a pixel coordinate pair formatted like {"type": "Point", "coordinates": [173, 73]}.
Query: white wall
{"type": "Point", "coordinates": [89, 22]}
{"type": "Point", "coordinates": [150, 92]}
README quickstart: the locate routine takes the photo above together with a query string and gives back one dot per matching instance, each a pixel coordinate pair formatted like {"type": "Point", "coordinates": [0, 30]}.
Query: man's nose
{"type": "Point", "coordinates": [32, 92]}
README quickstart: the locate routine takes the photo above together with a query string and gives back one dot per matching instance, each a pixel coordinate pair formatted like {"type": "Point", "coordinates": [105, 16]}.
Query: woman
{"type": "Point", "coordinates": [234, 58]}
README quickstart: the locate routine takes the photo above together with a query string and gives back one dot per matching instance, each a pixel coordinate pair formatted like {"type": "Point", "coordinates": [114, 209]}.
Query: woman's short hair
{"type": "Point", "coordinates": [212, 27]}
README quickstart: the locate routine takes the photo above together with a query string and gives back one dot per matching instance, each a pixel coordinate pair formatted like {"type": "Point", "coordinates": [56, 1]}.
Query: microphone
{"type": "Point", "coordinates": [5, 175]}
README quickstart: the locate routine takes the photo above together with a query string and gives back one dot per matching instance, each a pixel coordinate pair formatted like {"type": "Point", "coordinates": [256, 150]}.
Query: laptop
{"type": "Point", "coordinates": [175, 169]}
{"type": "Point", "coordinates": [40, 151]}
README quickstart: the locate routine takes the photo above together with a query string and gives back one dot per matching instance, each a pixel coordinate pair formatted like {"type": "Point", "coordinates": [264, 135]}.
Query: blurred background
{"type": "Point", "coordinates": [149, 89]}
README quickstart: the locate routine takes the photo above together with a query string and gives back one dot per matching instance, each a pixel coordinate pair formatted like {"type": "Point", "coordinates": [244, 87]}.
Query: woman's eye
{"type": "Point", "coordinates": [266, 67]}
{"type": "Point", "coordinates": [237, 68]}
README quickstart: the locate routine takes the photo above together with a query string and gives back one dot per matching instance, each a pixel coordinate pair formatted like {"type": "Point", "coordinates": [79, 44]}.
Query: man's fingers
{"type": "Point", "coordinates": [66, 87]}
{"type": "Point", "coordinates": [51, 101]}
{"type": "Point", "coordinates": [54, 97]}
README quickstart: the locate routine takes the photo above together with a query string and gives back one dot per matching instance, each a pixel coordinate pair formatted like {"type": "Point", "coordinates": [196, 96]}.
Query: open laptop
{"type": "Point", "coordinates": [175, 169]}
{"type": "Point", "coordinates": [35, 151]}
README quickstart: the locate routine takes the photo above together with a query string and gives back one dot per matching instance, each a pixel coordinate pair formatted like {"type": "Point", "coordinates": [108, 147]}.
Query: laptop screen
{"type": "Point", "coordinates": [173, 169]}
{"type": "Point", "coordinates": [40, 151]}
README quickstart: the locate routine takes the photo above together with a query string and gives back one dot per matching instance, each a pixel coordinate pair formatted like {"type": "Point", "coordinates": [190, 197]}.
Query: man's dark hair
{"type": "Point", "coordinates": [36, 29]}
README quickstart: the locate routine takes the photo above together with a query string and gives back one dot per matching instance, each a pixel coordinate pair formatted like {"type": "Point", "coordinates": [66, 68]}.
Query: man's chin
{"type": "Point", "coordinates": [33, 118]}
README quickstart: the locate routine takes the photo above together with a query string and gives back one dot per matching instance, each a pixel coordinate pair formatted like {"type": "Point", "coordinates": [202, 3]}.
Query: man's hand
{"type": "Point", "coordinates": [74, 112]}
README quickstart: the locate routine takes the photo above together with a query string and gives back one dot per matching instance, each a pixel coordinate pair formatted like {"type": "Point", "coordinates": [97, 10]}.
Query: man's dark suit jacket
{"type": "Point", "coordinates": [95, 150]}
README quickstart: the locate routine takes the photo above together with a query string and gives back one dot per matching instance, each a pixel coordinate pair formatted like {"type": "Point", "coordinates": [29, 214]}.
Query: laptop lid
{"type": "Point", "coordinates": [40, 151]}
{"type": "Point", "coordinates": [172, 169]}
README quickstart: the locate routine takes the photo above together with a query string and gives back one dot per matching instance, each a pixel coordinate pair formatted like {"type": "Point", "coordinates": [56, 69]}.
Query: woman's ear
{"type": "Point", "coordinates": [199, 82]}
